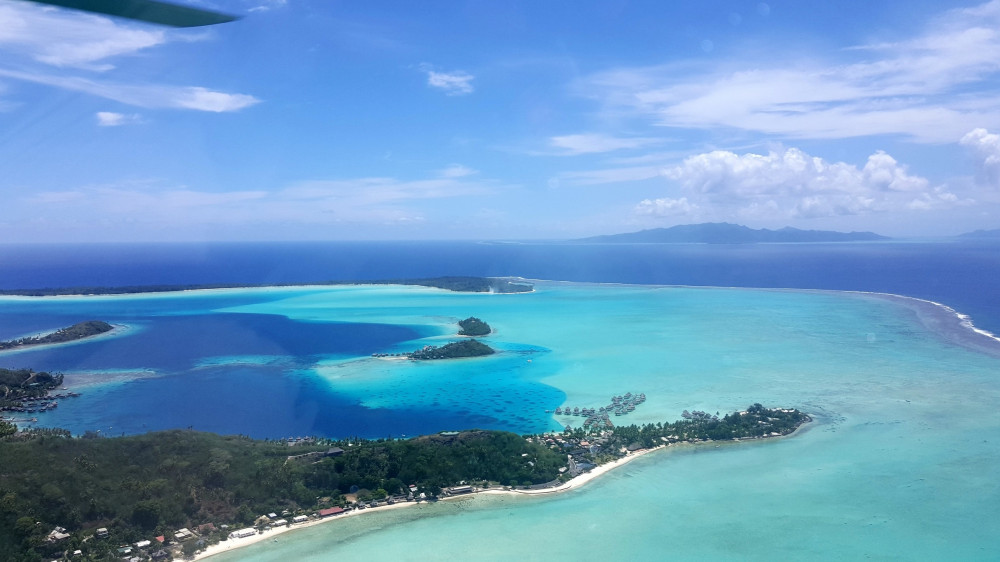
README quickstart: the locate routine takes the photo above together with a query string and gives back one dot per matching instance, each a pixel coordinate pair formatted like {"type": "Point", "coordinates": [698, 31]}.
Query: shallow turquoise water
{"type": "Point", "coordinates": [900, 463]}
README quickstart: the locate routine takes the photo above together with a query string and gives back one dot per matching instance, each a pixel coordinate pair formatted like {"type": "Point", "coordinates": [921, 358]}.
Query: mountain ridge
{"type": "Point", "coordinates": [982, 234]}
{"type": "Point", "coordinates": [727, 233]}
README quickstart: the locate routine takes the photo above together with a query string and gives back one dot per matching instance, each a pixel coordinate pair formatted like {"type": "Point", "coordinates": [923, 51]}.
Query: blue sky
{"type": "Point", "coordinates": [326, 120]}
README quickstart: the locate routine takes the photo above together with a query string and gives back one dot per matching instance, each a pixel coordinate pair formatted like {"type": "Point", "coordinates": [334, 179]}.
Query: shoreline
{"type": "Point", "coordinates": [117, 330]}
{"type": "Point", "coordinates": [574, 483]}
{"type": "Point", "coordinates": [233, 544]}
{"type": "Point", "coordinates": [140, 290]}
{"type": "Point", "coordinates": [230, 545]}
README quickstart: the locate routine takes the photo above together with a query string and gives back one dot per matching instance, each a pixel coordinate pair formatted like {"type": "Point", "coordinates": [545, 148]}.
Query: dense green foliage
{"type": "Point", "coordinates": [473, 326]}
{"type": "Point", "coordinates": [458, 284]}
{"type": "Point", "coordinates": [145, 485]}
{"type": "Point", "coordinates": [25, 390]}
{"type": "Point", "coordinates": [453, 350]}
{"type": "Point", "coordinates": [75, 332]}
{"type": "Point", "coordinates": [756, 422]}
{"type": "Point", "coordinates": [26, 383]}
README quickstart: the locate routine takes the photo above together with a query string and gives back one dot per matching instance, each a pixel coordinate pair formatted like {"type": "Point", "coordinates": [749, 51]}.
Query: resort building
{"type": "Point", "coordinates": [243, 533]}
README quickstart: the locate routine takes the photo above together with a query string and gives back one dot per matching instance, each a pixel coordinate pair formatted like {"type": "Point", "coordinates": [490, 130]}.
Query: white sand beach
{"type": "Point", "coordinates": [234, 543]}
{"type": "Point", "coordinates": [576, 482]}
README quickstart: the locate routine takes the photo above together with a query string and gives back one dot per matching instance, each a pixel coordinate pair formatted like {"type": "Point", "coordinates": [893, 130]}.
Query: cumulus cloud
{"type": "Point", "coordinates": [985, 147]}
{"type": "Point", "coordinates": [928, 88]}
{"type": "Point", "coordinates": [455, 83]}
{"type": "Point", "coordinates": [786, 184]}
{"type": "Point", "coordinates": [665, 207]}
{"type": "Point", "coordinates": [591, 143]}
{"type": "Point", "coordinates": [790, 172]}
{"type": "Point", "coordinates": [112, 119]}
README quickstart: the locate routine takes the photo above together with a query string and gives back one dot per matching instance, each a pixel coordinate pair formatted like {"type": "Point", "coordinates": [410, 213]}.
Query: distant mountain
{"type": "Point", "coordinates": [725, 233]}
{"type": "Point", "coordinates": [988, 234]}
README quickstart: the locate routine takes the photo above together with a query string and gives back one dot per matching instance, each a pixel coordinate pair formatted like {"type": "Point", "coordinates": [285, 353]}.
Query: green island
{"type": "Point", "coordinates": [473, 326]}
{"type": "Point", "coordinates": [450, 283]}
{"type": "Point", "coordinates": [171, 493]}
{"type": "Point", "coordinates": [24, 391]}
{"type": "Point", "coordinates": [75, 332]}
{"type": "Point", "coordinates": [453, 350]}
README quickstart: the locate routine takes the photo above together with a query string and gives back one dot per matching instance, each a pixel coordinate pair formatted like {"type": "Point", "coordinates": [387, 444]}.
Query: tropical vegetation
{"type": "Point", "coordinates": [453, 350]}
{"type": "Point", "coordinates": [142, 486]}
{"type": "Point", "coordinates": [473, 326]}
{"type": "Point", "coordinates": [72, 333]}
{"type": "Point", "coordinates": [451, 283]}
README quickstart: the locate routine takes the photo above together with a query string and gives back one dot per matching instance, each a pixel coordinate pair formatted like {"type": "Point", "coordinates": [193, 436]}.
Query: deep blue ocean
{"type": "Point", "coordinates": [960, 274]}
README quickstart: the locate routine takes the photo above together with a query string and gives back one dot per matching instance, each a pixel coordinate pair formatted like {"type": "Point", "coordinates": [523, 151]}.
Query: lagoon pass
{"type": "Point", "coordinates": [899, 462]}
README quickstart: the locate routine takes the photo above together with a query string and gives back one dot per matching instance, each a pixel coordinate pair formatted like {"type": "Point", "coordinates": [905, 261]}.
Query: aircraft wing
{"type": "Point", "coordinates": [152, 11]}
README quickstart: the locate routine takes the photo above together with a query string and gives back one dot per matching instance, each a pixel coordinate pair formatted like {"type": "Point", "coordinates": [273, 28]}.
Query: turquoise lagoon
{"type": "Point", "coordinates": [901, 462]}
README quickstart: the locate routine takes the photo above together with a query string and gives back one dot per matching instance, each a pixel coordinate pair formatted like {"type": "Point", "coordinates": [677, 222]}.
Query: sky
{"type": "Point", "coordinates": [514, 120]}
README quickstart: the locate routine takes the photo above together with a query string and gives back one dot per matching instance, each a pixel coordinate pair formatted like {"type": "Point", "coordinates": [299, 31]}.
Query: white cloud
{"type": "Point", "coordinates": [39, 44]}
{"type": "Point", "coordinates": [457, 171]}
{"type": "Point", "coordinates": [665, 207]}
{"type": "Point", "coordinates": [455, 83]}
{"type": "Point", "coordinates": [591, 143]}
{"type": "Point", "coordinates": [57, 197]}
{"type": "Point", "coordinates": [148, 95]}
{"type": "Point", "coordinates": [363, 202]}
{"type": "Point", "coordinates": [791, 184]}
{"type": "Point", "coordinates": [611, 175]}
{"type": "Point", "coordinates": [375, 191]}
{"type": "Point", "coordinates": [70, 39]}
{"type": "Point", "coordinates": [140, 201]}
{"type": "Point", "coordinates": [267, 5]}
{"type": "Point", "coordinates": [797, 183]}
{"type": "Point", "coordinates": [985, 146]}
{"type": "Point", "coordinates": [112, 119]}
{"type": "Point", "coordinates": [932, 88]}
{"type": "Point", "coordinates": [207, 100]}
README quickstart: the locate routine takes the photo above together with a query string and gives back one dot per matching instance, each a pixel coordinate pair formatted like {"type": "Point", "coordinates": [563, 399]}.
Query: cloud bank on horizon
{"type": "Point", "coordinates": [519, 120]}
